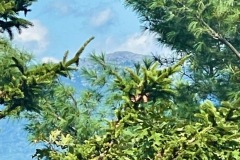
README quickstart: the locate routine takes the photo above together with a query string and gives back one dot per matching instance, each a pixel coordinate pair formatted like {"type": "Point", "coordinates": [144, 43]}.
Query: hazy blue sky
{"type": "Point", "coordinates": [61, 25]}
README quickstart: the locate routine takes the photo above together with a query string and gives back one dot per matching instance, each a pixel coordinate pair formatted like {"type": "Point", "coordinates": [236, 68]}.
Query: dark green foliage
{"type": "Point", "coordinates": [9, 15]}
{"type": "Point", "coordinates": [189, 26]}
{"type": "Point", "coordinates": [152, 127]}
{"type": "Point", "coordinates": [24, 85]}
{"type": "Point", "coordinates": [142, 94]}
{"type": "Point", "coordinates": [206, 29]}
{"type": "Point", "coordinates": [64, 111]}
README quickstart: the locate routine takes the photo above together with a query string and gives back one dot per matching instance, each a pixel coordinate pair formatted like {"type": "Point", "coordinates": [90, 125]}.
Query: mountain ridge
{"type": "Point", "coordinates": [122, 58]}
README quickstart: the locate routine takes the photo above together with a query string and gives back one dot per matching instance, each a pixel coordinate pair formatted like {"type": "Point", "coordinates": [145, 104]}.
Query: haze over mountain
{"type": "Point", "coordinates": [122, 58]}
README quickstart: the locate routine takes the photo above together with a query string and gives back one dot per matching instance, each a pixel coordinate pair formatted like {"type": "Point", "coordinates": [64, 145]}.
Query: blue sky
{"type": "Point", "coordinates": [61, 25]}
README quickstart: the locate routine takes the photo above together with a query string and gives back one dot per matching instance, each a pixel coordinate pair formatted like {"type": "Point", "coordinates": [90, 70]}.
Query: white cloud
{"type": "Point", "coordinates": [33, 38]}
{"type": "Point", "coordinates": [102, 17]}
{"type": "Point", "coordinates": [62, 7]}
{"type": "Point", "coordinates": [50, 59]}
{"type": "Point", "coordinates": [144, 43]}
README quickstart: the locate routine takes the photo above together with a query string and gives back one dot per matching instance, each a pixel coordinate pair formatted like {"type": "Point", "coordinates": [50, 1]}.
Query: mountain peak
{"type": "Point", "coordinates": [123, 53]}
{"type": "Point", "coordinates": [121, 56]}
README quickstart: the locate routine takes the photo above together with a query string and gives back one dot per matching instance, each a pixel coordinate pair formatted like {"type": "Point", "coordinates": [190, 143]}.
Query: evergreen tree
{"type": "Point", "coordinates": [150, 122]}
{"type": "Point", "coordinates": [135, 94]}
{"type": "Point", "coordinates": [206, 29]}
{"type": "Point", "coordinates": [147, 122]}
{"type": "Point", "coordinates": [9, 15]}
{"type": "Point", "coordinates": [151, 118]}
{"type": "Point", "coordinates": [23, 85]}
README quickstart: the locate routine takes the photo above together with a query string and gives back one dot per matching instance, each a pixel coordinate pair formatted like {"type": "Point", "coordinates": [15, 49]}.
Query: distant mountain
{"type": "Point", "coordinates": [122, 58]}
{"type": "Point", "coordinates": [125, 57]}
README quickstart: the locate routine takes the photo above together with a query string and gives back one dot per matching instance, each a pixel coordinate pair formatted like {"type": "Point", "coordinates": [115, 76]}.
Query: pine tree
{"type": "Point", "coordinates": [23, 86]}
{"type": "Point", "coordinates": [207, 30]}
{"type": "Point", "coordinates": [140, 112]}
{"type": "Point", "coordinates": [9, 15]}
{"type": "Point", "coordinates": [149, 120]}
{"type": "Point", "coordinates": [147, 125]}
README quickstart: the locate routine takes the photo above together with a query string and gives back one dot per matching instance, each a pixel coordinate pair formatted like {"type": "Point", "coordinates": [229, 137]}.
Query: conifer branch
{"type": "Point", "coordinates": [2, 115]}
{"type": "Point", "coordinates": [58, 68]}
{"type": "Point", "coordinates": [65, 56]}
{"type": "Point", "coordinates": [219, 37]}
{"type": "Point", "coordinates": [75, 59]}
{"type": "Point", "coordinates": [61, 68]}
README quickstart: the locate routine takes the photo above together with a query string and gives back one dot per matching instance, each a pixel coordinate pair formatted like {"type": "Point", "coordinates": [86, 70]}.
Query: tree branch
{"type": "Point", "coordinates": [57, 69]}
{"type": "Point", "coordinates": [219, 37]}
{"type": "Point", "coordinates": [61, 66]}
{"type": "Point", "coordinates": [75, 59]}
